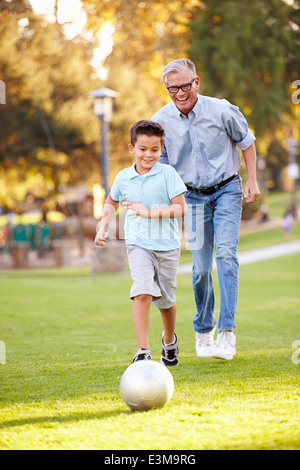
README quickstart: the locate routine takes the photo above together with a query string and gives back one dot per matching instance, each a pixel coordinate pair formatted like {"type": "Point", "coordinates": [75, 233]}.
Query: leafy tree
{"type": "Point", "coordinates": [149, 33]}
{"type": "Point", "coordinates": [138, 99]}
{"type": "Point", "coordinates": [48, 133]}
{"type": "Point", "coordinates": [248, 53]}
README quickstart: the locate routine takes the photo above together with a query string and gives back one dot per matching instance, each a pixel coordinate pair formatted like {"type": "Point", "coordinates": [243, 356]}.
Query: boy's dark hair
{"type": "Point", "coordinates": [146, 127]}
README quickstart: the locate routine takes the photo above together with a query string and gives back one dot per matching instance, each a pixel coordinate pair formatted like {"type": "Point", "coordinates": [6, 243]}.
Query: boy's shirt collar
{"type": "Point", "coordinates": [154, 170]}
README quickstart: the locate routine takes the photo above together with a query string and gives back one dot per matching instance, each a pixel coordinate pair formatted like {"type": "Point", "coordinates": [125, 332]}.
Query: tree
{"type": "Point", "coordinates": [48, 134]}
{"type": "Point", "coordinates": [138, 99]}
{"type": "Point", "coordinates": [148, 33]}
{"type": "Point", "coordinates": [248, 53]}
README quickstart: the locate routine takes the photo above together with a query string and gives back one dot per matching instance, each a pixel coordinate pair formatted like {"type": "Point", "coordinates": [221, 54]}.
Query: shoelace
{"type": "Point", "coordinates": [204, 340]}
{"type": "Point", "coordinates": [142, 355]}
{"type": "Point", "coordinates": [170, 353]}
{"type": "Point", "coordinates": [221, 341]}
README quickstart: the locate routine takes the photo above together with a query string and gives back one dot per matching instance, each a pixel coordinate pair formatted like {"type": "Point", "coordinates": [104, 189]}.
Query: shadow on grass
{"type": "Point", "coordinates": [37, 382]}
{"type": "Point", "coordinates": [66, 381]}
{"type": "Point", "coordinates": [102, 382]}
{"type": "Point", "coordinates": [64, 418]}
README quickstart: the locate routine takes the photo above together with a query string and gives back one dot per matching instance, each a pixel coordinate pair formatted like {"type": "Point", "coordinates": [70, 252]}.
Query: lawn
{"type": "Point", "coordinates": [69, 337]}
{"type": "Point", "coordinates": [261, 238]}
{"type": "Point", "coordinates": [279, 201]}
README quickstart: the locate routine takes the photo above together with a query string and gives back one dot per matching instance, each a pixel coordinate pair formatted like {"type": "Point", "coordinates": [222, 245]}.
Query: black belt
{"type": "Point", "coordinates": [211, 189]}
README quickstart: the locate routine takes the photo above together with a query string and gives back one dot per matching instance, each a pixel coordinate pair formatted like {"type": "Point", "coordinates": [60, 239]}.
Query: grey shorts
{"type": "Point", "coordinates": [154, 273]}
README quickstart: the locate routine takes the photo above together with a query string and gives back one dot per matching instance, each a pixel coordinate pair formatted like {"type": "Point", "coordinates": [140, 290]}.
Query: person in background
{"type": "Point", "coordinates": [287, 223]}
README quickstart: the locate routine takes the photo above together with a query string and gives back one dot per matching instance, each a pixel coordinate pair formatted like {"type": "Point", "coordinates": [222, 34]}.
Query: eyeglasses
{"type": "Point", "coordinates": [184, 87]}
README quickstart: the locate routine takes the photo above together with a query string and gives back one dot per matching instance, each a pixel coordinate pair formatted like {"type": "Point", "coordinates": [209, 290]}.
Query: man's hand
{"type": "Point", "coordinates": [251, 191]}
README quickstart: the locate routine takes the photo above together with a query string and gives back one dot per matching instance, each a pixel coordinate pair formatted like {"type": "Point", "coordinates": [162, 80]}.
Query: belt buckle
{"type": "Point", "coordinates": [209, 190]}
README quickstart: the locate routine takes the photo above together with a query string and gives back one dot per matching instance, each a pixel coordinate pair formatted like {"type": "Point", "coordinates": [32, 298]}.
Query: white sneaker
{"type": "Point", "coordinates": [224, 346]}
{"type": "Point", "coordinates": [204, 343]}
{"type": "Point", "coordinates": [142, 355]}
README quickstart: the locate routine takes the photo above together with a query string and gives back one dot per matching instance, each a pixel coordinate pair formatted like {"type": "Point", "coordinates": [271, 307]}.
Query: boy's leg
{"type": "Point", "coordinates": [143, 291]}
{"type": "Point", "coordinates": [169, 319]}
{"type": "Point", "coordinates": [141, 319]}
{"type": "Point", "coordinates": [169, 354]}
{"type": "Point", "coordinates": [166, 279]}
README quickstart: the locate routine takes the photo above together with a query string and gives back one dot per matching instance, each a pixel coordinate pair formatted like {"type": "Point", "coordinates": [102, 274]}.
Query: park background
{"type": "Point", "coordinates": [63, 327]}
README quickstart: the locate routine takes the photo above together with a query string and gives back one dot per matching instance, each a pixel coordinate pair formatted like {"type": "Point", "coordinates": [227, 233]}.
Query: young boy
{"type": "Point", "coordinates": [152, 194]}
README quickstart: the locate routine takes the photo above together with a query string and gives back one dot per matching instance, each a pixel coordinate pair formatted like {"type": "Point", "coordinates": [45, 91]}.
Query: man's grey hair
{"type": "Point", "coordinates": [177, 66]}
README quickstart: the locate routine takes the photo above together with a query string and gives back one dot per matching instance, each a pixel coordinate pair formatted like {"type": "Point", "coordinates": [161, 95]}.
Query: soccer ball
{"type": "Point", "coordinates": [146, 385]}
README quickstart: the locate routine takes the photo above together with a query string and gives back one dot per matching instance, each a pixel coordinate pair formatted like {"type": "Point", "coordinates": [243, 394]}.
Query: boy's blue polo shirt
{"type": "Point", "coordinates": [154, 189]}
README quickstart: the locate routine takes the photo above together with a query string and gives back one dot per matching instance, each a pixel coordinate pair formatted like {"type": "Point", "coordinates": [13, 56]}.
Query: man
{"type": "Point", "coordinates": [202, 134]}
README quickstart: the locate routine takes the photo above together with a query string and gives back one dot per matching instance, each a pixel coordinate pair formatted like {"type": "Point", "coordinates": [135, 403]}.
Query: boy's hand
{"type": "Point", "coordinates": [101, 237]}
{"type": "Point", "coordinates": [136, 208]}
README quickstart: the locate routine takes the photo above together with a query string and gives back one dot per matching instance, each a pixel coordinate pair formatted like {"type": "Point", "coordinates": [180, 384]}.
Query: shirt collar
{"type": "Point", "coordinates": [154, 170]}
{"type": "Point", "coordinates": [196, 109]}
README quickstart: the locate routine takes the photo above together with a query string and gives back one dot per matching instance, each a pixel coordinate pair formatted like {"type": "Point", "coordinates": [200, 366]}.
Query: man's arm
{"type": "Point", "coordinates": [109, 210]}
{"type": "Point", "coordinates": [251, 192]}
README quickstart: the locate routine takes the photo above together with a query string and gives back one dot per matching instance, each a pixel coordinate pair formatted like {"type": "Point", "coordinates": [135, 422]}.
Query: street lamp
{"type": "Point", "coordinates": [103, 98]}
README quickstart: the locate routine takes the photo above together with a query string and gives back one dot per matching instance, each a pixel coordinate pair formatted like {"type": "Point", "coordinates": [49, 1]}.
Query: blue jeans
{"type": "Point", "coordinates": [215, 218]}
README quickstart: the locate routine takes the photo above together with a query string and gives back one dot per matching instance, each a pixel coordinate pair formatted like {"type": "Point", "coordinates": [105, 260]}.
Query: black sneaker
{"type": "Point", "coordinates": [169, 353]}
{"type": "Point", "coordinates": [142, 355]}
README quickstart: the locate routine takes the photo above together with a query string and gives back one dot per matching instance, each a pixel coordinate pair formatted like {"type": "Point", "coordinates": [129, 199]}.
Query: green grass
{"type": "Point", "coordinates": [254, 240]}
{"type": "Point", "coordinates": [279, 201]}
{"type": "Point", "coordinates": [263, 238]}
{"type": "Point", "coordinates": [69, 337]}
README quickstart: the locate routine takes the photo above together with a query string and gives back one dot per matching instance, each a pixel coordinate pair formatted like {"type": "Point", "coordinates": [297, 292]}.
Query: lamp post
{"type": "Point", "coordinates": [103, 98]}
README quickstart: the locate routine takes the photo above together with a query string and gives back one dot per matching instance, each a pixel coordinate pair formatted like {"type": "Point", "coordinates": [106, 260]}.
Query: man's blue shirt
{"type": "Point", "coordinates": [202, 146]}
{"type": "Point", "coordinates": [154, 189]}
